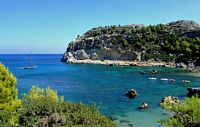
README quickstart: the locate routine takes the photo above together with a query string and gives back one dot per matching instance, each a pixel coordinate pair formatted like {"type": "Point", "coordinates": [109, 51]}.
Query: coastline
{"type": "Point", "coordinates": [195, 70]}
{"type": "Point", "coordinates": [123, 63]}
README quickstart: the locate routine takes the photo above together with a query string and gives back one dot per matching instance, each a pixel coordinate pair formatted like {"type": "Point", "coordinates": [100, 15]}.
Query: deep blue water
{"type": "Point", "coordinates": [103, 85]}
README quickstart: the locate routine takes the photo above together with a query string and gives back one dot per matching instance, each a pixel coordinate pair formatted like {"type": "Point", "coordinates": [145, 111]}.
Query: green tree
{"type": "Point", "coordinates": [46, 108]}
{"type": "Point", "coordinates": [9, 102]}
{"type": "Point", "coordinates": [125, 42]}
{"type": "Point", "coordinates": [42, 108]}
{"type": "Point", "coordinates": [186, 114]}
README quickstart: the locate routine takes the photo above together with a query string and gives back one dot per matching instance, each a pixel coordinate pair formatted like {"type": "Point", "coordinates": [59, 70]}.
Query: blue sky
{"type": "Point", "coordinates": [47, 26]}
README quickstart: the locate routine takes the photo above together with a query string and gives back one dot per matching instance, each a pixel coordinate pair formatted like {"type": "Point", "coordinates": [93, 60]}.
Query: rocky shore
{"type": "Point", "coordinates": [69, 58]}
{"type": "Point", "coordinates": [122, 63]}
{"type": "Point", "coordinates": [139, 45]}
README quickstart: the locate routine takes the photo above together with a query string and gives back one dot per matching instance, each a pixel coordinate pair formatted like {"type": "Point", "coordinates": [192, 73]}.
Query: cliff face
{"type": "Point", "coordinates": [99, 47]}
{"type": "Point", "coordinates": [136, 42]}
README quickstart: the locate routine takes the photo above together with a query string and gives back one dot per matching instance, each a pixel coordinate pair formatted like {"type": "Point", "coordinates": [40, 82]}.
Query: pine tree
{"type": "Point", "coordinates": [9, 101]}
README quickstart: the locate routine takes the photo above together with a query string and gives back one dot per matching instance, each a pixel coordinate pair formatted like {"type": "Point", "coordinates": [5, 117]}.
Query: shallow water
{"type": "Point", "coordinates": [103, 85]}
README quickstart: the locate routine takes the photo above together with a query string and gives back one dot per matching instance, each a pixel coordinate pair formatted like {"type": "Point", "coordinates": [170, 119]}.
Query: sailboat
{"type": "Point", "coordinates": [30, 66]}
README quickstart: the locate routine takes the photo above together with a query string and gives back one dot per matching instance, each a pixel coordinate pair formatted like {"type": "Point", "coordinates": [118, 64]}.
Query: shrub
{"type": "Point", "coordinates": [45, 108]}
{"type": "Point", "coordinates": [186, 114]}
{"type": "Point", "coordinates": [9, 102]}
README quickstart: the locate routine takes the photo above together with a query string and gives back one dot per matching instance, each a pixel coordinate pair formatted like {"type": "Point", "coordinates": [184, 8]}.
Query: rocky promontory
{"type": "Point", "coordinates": [173, 44]}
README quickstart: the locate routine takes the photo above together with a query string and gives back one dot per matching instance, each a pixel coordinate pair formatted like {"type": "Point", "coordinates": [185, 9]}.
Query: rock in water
{"type": "Point", "coordinates": [68, 57]}
{"type": "Point", "coordinates": [170, 101]}
{"type": "Point", "coordinates": [131, 93]}
{"type": "Point", "coordinates": [144, 105]}
{"type": "Point", "coordinates": [193, 92]}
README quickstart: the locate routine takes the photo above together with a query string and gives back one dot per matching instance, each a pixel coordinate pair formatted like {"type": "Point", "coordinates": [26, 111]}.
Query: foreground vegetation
{"type": "Point", "coordinates": [42, 108]}
{"type": "Point", "coordinates": [186, 114]}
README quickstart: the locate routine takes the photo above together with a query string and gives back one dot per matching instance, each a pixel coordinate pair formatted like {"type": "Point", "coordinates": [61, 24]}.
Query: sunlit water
{"type": "Point", "coordinates": [103, 85]}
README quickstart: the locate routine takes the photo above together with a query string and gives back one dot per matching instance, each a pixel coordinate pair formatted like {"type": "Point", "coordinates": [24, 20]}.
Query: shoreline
{"type": "Point", "coordinates": [123, 63]}
{"type": "Point", "coordinates": [133, 63]}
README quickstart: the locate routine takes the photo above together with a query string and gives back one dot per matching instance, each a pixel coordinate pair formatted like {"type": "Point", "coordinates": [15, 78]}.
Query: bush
{"type": "Point", "coordinates": [44, 107]}
{"type": "Point", "coordinates": [186, 114]}
{"type": "Point", "coordinates": [9, 102]}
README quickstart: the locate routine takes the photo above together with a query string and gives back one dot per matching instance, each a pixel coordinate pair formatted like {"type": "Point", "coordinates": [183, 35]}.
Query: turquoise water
{"type": "Point", "coordinates": [103, 85]}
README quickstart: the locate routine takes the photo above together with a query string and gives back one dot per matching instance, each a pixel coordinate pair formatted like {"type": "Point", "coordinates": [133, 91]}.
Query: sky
{"type": "Point", "coordinates": [47, 26]}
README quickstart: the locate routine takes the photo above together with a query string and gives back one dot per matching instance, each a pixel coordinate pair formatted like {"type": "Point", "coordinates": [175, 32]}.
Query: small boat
{"type": "Point", "coordinates": [186, 81]}
{"type": "Point", "coordinates": [30, 66]}
{"type": "Point", "coordinates": [164, 79]}
{"type": "Point", "coordinates": [172, 80]}
{"type": "Point", "coordinates": [152, 78]}
{"type": "Point", "coordinates": [154, 72]}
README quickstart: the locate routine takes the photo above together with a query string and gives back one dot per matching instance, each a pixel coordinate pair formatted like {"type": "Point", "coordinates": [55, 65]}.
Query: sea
{"type": "Point", "coordinates": [103, 85]}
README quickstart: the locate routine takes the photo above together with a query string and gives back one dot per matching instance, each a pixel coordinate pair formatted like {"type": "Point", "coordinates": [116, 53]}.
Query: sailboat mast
{"type": "Point", "coordinates": [30, 59]}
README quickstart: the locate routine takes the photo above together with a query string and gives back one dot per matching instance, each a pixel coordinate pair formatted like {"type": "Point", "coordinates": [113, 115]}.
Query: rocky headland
{"type": "Point", "coordinates": [176, 44]}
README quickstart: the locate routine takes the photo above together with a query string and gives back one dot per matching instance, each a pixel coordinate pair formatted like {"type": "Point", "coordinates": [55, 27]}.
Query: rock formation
{"type": "Point", "coordinates": [138, 43]}
{"type": "Point", "coordinates": [131, 93]}
{"type": "Point", "coordinates": [169, 101]}
{"type": "Point", "coordinates": [193, 92]}
{"type": "Point", "coordinates": [144, 105]}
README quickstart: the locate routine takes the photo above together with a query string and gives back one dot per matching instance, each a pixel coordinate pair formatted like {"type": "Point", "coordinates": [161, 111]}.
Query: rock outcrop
{"type": "Point", "coordinates": [193, 92]}
{"type": "Point", "coordinates": [144, 105]}
{"type": "Point", "coordinates": [169, 101]}
{"type": "Point", "coordinates": [137, 43]}
{"type": "Point", "coordinates": [131, 93]}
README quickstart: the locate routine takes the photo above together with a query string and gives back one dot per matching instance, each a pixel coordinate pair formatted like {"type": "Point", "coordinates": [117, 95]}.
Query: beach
{"type": "Point", "coordinates": [124, 63]}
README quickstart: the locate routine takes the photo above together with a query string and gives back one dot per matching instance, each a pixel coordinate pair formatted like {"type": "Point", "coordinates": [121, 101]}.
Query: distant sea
{"type": "Point", "coordinates": [104, 85]}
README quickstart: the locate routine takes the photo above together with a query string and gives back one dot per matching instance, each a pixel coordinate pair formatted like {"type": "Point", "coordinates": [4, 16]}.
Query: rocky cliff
{"type": "Point", "coordinates": [176, 41]}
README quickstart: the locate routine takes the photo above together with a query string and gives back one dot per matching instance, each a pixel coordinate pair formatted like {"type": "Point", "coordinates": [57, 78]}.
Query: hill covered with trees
{"type": "Point", "coordinates": [177, 42]}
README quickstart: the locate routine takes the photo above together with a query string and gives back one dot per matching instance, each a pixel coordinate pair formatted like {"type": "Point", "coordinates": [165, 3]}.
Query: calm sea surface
{"type": "Point", "coordinates": [103, 85]}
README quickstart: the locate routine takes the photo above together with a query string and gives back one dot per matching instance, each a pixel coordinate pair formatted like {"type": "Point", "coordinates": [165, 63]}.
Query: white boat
{"type": "Point", "coordinates": [172, 80]}
{"type": "Point", "coordinates": [30, 66]}
{"type": "Point", "coordinates": [164, 79]}
{"type": "Point", "coordinates": [152, 78]}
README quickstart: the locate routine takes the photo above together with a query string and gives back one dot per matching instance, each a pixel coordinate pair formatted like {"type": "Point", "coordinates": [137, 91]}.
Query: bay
{"type": "Point", "coordinates": [104, 85]}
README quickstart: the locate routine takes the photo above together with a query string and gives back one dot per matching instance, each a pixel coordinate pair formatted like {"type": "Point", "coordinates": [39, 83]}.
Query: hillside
{"type": "Point", "coordinates": [177, 42]}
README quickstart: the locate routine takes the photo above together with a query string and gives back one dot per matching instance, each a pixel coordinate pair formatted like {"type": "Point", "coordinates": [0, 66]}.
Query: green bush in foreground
{"type": "Point", "coordinates": [43, 108]}
{"type": "Point", "coordinates": [9, 102]}
{"type": "Point", "coordinates": [186, 114]}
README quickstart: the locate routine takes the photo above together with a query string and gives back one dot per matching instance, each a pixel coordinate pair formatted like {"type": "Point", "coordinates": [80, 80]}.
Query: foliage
{"type": "Point", "coordinates": [186, 114]}
{"type": "Point", "coordinates": [44, 107]}
{"type": "Point", "coordinates": [163, 57]}
{"type": "Point", "coordinates": [9, 102]}
{"type": "Point", "coordinates": [153, 39]}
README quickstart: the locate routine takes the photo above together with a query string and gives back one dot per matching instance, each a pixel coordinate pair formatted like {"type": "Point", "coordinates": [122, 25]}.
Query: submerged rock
{"type": "Point", "coordinates": [193, 92]}
{"type": "Point", "coordinates": [142, 72]}
{"type": "Point", "coordinates": [124, 121]}
{"type": "Point", "coordinates": [113, 118]}
{"type": "Point", "coordinates": [130, 125]}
